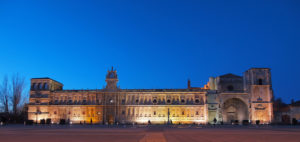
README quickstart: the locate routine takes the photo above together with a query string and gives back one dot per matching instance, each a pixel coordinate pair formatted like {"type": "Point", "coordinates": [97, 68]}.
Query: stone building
{"type": "Point", "coordinates": [227, 98]}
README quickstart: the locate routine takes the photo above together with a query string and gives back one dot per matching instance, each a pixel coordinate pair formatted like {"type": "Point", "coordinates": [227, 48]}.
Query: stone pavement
{"type": "Point", "coordinates": [154, 134]}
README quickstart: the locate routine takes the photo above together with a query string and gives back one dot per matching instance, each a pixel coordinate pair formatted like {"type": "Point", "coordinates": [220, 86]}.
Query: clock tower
{"type": "Point", "coordinates": [111, 97]}
{"type": "Point", "coordinates": [111, 79]}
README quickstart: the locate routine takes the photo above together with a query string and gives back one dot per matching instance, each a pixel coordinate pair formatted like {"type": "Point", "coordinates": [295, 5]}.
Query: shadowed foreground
{"type": "Point", "coordinates": [156, 134]}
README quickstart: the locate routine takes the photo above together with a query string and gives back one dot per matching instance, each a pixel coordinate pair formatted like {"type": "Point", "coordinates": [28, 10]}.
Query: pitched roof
{"type": "Point", "coordinates": [230, 75]}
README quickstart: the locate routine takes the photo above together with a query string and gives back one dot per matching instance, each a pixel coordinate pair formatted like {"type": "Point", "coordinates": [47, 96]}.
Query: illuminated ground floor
{"type": "Point", "coordinates": [231, 111]}
{"type": "Point", "coordinates": [182, 114]}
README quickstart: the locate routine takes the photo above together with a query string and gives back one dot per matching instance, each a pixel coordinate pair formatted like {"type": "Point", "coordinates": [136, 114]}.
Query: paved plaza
{"type": "Point", "coordinates": [18, 133]}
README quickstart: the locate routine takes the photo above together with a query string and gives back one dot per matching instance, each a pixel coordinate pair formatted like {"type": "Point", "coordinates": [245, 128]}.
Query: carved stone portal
{"type": "Point", "coordinates": [234, 110]}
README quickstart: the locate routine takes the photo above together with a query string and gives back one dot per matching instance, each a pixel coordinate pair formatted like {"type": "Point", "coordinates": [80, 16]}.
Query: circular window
{"type": "Point", "coordinates": [154, 101]}
{"type": "Point", "coordinates": [168, 101]}
{"type": "Point", "coordinates": [182, 101]}
{"type": "Point", "coordinates": [111, 100]}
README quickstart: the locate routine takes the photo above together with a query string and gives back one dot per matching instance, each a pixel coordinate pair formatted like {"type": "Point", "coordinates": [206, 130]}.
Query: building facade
{"type": "Point", "coordinates": [227, 98]}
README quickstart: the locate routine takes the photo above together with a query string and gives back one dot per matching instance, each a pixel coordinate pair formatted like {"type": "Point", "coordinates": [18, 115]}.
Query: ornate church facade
{"type": "Point", "coordinates": [224, 99]}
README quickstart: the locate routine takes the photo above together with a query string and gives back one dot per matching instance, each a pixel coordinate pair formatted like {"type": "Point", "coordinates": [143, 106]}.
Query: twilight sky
{"type": "Point", "coordinates": [153, 44]}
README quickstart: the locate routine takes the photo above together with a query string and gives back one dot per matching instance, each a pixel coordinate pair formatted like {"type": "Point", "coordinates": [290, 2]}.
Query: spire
{"type": "Point", "coordinates": [189, 84]}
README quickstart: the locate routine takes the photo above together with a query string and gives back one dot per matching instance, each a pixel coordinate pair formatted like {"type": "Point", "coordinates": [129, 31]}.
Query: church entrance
{"type": "Point", "coordinates": [235, 111]}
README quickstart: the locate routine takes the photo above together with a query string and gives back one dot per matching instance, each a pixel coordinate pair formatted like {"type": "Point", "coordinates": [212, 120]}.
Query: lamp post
{"type": "Point", "coordinates": [168, 116]}
{"type": "Point", "coordinates": [99, 116]}
{"type": "Point", "coordinates": [36, 114]}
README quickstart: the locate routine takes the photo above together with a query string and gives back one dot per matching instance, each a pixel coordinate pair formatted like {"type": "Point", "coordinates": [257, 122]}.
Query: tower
{"type": "Point", "coordinates": [257, 82]}
{"type": "Point", "coordinates": [111, 98]}
{"type": "Point", "coordinates": [111, 79]}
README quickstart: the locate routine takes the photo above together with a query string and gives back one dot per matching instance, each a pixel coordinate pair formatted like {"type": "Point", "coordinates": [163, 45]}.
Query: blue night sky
{"type": "Point", "coordinates": [153, 44]}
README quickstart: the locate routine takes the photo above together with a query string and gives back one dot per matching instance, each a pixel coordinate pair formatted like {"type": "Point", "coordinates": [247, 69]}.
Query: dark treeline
{"type": "Point", "coordinates": [13, 96]}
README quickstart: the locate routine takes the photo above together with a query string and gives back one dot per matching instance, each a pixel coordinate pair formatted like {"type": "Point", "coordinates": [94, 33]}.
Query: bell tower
{"type": "Point", "coordinates": [111, 79]}
{"type": "Point", "coordinates": [111, 98]}
{"type": "Point", "coordinates": [257, 82]}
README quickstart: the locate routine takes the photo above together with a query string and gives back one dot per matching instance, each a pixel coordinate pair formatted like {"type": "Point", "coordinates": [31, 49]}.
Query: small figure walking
{"type": "Point", "coordinates": [215, 121]}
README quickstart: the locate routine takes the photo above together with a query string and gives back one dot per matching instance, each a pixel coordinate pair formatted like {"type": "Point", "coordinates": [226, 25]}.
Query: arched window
{"type": "Point", "coordinates": [230, 88]}
{"type": "Point", "coordinates": [260, 82]}
{"type": "Point", "coordinates": [45, 86]}
{"type": "Point", "coordinates": [182, 101]}
{"type": "Point", "coordinates": [41, 86]}
{"type": "Point", "coordinates": [33, 86]}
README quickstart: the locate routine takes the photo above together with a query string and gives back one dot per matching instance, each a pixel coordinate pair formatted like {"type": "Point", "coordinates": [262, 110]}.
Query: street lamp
{"type": "Point", "coordinates": [99, 113]}
{"type": "Point", "coordinates": [36, 114]}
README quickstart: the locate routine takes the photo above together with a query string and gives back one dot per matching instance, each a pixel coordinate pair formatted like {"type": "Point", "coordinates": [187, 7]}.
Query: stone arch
{"type": "Point", "coordinates": [234, 110]}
